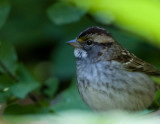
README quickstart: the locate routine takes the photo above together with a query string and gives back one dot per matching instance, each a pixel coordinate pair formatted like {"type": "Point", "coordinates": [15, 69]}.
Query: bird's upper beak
{"type": "Point", "coordinates": [74, 43]}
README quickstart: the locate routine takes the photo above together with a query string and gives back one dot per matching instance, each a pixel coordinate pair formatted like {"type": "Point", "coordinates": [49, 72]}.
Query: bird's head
{"type": "Point", "coordinates": [93, 43]}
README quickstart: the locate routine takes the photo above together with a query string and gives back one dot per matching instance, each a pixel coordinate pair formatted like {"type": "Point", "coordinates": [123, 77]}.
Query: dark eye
{"type": "Point", "coordinates": [89, 42]}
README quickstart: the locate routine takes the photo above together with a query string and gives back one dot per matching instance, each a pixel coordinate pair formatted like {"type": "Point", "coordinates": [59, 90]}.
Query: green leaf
{"type": "Point", "coordinates": [22, 89]}
{"type": "Point", "coordinates": [25, 109]}
{"type": "Point", "coordinates": [104, 20]}
{"type": "Point", "coordinates": [23, 74]}
{"type": "Point", "coordinates": [156, 102]}
{"type": "Point", "coordinates": [26, 83]}
{"type": "Point", "coordinates": [8, 56]}
{"type": "Point", "coordinates": [4, 11]}
{"type": "Point", "coordinates": [52, 86]}
{"type": "Point", "coordinates": [5, 83]}
{"type": "Point", "coordinates": [4, 96]}
{"type": "Point", "coordinates": [70, 99]}
{"type": "Point", "coordinates": [156, 79]}
{"type": "Point", "coordinates": [63, 13]}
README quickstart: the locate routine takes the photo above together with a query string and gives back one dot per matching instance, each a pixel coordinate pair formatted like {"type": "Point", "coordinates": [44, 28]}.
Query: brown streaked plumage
{"type": "Point", "coordinates": [97, 34]}
{"type": "Point", "coordinates": [109, 76]}
{"type": "Point", "coordinates": [94, 30]}
{"type": "Point", "coordinates": [133, 63]}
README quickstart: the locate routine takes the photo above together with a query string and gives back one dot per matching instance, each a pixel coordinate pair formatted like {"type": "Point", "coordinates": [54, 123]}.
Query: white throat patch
{"type": "Point", "coordinates": [80, 53]}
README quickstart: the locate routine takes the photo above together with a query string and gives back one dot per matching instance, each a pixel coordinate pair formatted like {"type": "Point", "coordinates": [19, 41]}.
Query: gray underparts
{"type": "Point", "coordinates": [107, 85]}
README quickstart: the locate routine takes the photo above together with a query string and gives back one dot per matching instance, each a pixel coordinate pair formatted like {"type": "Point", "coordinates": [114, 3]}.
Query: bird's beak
{"type": "Point", "coordinates": [74, 43]}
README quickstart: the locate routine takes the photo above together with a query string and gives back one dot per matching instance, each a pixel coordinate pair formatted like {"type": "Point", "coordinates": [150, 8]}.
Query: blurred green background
{"type": "Point", "coordinates": [37, 68]}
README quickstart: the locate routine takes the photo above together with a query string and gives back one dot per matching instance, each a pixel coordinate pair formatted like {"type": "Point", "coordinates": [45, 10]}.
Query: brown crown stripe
{"type": "Point", "coordinates": [94, 30]}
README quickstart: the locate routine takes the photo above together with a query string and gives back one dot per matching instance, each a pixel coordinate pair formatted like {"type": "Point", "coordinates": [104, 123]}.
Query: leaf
{"type": "Point", "coordinates": [70, 99]}
{"type": "Point", "coordinates": [4, 11]}
{"type": "Point", "coordinates": [26, 83]}
{"type": "Point", "coordinates": [8, 56]}
{"type": "Point", "coordinates": [23, 74]}
{"type": "Point", "coordinates": [25, 109]}
{"type": "Point", "coordinates": [5, 83]}
{"type": "Point", "coordinates": [4, 97]}
{"type": "Point", "coordinates": [63, 13]}
{"type": "Point", "coordinates": [156, 79]}
{"type": "Point", "coordinates": [156, 102]}
{"type": "Point", "coordinates": [52, 86]}
{"type": "Point", "coordinates": [129, 15]}
{"type": "Point", "coordinates": [22, 89]}
{"type": "Point", "coordinates": [98, 16]}
{"type": "Point", "coordinates": [157, 97]}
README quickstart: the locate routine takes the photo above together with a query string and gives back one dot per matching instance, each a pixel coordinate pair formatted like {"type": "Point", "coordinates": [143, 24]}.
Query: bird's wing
{"type": "Point", "coordinates": [133, 63]}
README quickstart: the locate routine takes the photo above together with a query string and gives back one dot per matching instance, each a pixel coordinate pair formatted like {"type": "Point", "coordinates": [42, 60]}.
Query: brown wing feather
{"type": "Point", "coordinates": [133, 63]}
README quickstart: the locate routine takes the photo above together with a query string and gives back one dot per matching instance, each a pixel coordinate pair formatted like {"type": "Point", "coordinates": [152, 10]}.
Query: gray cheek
{"type": "Point", "coordinates": [86, 47]}
{"type": "Point", "coordinates": [80, 53]}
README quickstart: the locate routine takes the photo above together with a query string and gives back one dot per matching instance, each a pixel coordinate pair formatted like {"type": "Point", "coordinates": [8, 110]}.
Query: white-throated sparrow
{"type": "Point", "coordinates": [109, 76]}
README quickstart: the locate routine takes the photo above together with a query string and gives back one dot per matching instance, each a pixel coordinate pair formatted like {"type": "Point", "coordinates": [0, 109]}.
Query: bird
{"type": "Point", "coordinates": [109, 77]}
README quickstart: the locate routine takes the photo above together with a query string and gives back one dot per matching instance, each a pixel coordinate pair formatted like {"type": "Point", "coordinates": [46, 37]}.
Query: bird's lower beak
{"type": "Point", "coordinates": [74, 43]}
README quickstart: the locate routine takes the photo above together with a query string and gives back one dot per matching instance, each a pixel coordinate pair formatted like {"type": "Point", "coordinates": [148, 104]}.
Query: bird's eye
{"type": "Point", "coordinates": [89, 42]}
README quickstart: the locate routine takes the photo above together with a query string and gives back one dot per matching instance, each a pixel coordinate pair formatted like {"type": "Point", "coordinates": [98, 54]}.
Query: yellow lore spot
{"type": "Point", "coordinates": [80, 40]}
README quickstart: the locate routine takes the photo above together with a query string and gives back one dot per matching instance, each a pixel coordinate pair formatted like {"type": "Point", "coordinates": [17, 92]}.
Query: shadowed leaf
{"type": "Point", "coordinates": [70, 99]}
{"type": "Point", "coordinates": [4, 11]}
{"type": "Point", "coordinates": [8, 56]}
{"type": "Point", "coordinates": [63, 13]}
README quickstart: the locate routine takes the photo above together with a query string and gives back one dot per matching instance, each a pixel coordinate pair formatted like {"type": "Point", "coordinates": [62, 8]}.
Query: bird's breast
{"type": "Point", "coordinates": [106, 85]}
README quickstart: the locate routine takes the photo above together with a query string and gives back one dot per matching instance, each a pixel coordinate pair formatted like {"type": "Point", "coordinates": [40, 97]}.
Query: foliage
{"type": "Point", "coordinates": [37, 67]}
{"type": "Point", "coordinates": [4, 10]}
{"type": "Point", "coordinates": [63, 13]}
{"type": "Point", "coordinates": [68, 101]}
{"type": "Point", "coordinates": [140, 17]}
